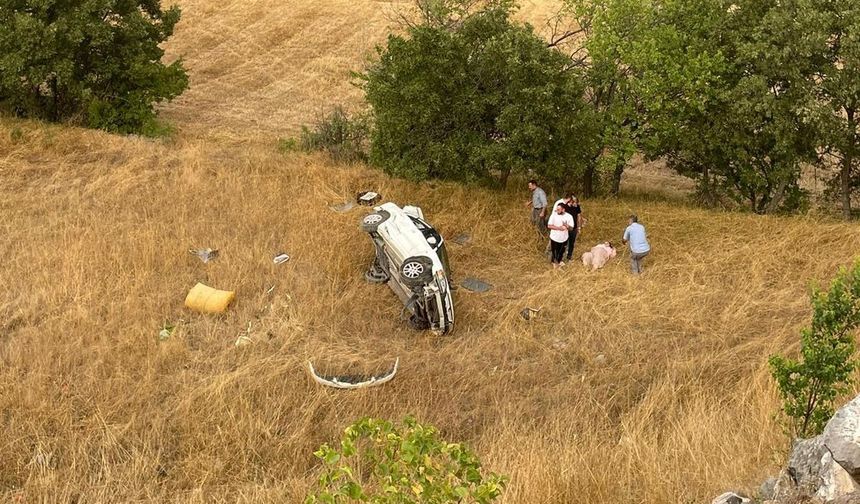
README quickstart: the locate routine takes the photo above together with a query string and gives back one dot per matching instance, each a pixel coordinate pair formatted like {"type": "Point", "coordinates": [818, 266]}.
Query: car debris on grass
{"type": "Point", "coordinates": [353, 381]}
{"type": "Point", "coordinates": [368, 198]}
{"type": "Point", "coordinates": [528, 313]}
{"type": "Point", "coordinates": [411, 258]}
{"type": "Point", "coordinates": [205, 299]}
{"type": "Point", "coordinates": [205, 255]}
{"type": "Point", "coordinates": [476, 285]}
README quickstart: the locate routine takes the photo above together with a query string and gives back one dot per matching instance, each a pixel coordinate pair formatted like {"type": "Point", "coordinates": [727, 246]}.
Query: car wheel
{"type": "Point", "coordinates": [416, 271]}
{"type": "Point", "coordinates": [417, 323]}
{"type": "Point", "coordinates": [372, 221]}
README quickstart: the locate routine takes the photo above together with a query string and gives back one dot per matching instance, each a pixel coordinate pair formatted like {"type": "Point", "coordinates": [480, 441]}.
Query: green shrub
{"type": "Point", "coordinates": [382, 463]}
{"type": "Point", "coordinates": [287, 145]}
{"type": "Point", "coordinates": [476, 96]}
{"type": "Point", "coordinates": [344, 138]}
{"type": "Point", "coordinates": [16, 135]}
{"type": "Point", "coordinates": [810, 386]}
{"type": "Point", "coordinates": [94, 62]}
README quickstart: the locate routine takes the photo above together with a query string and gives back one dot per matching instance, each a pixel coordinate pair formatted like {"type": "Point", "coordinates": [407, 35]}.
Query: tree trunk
{"type": "Point", "coordinates": [588, 180]}
{"type": "Point", "coordinates": [620, 163]}
{"type": "Point", "coordinates": [773, 205]}
{"type": "Point", "coordinates": [503, 179]}
{"type": "Point", "coordinates": [55, 100]}
{"type": "Point", "coordinates": [847, 161]}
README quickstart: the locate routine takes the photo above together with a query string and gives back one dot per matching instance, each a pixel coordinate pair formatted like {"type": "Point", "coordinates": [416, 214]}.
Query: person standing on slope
{"type": "Point", "coordinates": [575, 211]}
{"type": "Point", "coordinates": [639, 246]}
{"type": "Point", "coordinates": [538, 205]}
{"type": "Point", "coordinates": [566, 201]}
{"type": "Point", "coordinates": [560, 223]}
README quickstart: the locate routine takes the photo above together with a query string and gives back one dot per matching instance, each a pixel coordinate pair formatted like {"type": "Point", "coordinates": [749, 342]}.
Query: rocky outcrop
{"type": "Point", "coordinates": [731, 498]}
{"type": "Point", "coordinates": [842, 437]}
{"type": "Point", "coordinates": [820, 470]}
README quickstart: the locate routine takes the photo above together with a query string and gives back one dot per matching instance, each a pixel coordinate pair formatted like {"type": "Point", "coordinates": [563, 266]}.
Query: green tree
{"type": "Point", "coordinates": [382, 463]}
{"type": "Point", "coordinates": [810, 386]}
{"type": "Point", "coordinates": [721, 101]}
{"type": "Point", "coordinates": [603, 30]}
{"type": "Point", "coordinates": [471, 95]}
{"type": "Point", "coordinates": [97, 62]}
{"type": "Point", "coordinates": [834, 25]}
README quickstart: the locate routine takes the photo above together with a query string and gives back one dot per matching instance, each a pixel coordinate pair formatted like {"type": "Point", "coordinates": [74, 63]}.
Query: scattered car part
{"type": "Point", "coordinates": [411, 258]}
{"type": "Point", "coordinates": [527, 313]}
{"type": "Point", "coordinates": [462, 239]}
{"type": "Point", "coordinates": [343, 207]}
{"type": "Point", "coordinates": [206, 254]}
{"type": "Point", "coordinates": [367, 198]}
{"type": "Point", "coordinates": [281, 258]}
{"type": "Point", "coordinates": [166, 332]}
{"type": "Point", "coordinates": [205, 299]}
{"type": "Point", "coordinates": [475, 285]}
{"type": "Point", "coordinates": [353, 382]}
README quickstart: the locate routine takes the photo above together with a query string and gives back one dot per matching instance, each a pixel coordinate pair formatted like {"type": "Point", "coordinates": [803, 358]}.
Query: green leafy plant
{"type": "Point", "coordinates": [16, 135]}
{"type": "Point", "coordinates": [383, 463]}
{"type": "Point", "coordinates": [470, 94]}
{"type": "Point", "coordinates": [810, 386]}
{"type": "Point", "coordinates": [287, 145]}
{"type": "Point", "coordinates": [93, 62]}
{"type": "Point", "coordinates": [342, 137]}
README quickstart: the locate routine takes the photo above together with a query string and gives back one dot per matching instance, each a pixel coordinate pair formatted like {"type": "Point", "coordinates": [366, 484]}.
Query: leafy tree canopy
{"type": "Point", "coordinates": [471, 95]}
{"type": "Point", "coordinates": [96, 62]}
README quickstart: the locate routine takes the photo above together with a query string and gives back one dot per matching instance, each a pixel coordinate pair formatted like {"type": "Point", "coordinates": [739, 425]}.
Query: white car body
{"type": "Point", "coordinates": [411, 259]}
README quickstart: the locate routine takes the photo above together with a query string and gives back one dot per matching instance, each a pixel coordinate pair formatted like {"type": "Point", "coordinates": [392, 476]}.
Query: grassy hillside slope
{"type": "Point", "coordinates": [265, 67]}
{"type": "Point", "coordinates": [96, 232]}
{"type": "Point", "coordinates": [95, 260]}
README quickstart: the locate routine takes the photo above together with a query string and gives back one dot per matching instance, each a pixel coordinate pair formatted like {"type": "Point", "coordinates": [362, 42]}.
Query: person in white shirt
{"type": "Point", "coordinates": [559, 225]}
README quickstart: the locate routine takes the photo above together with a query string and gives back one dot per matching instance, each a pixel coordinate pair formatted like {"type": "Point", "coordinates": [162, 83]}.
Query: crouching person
{"type": "Point", "coordinates": [599, 255]}
{"type": "Point", "coordinates": [639, 246]}
{"type": "Point", "coordinates": [560, 224]}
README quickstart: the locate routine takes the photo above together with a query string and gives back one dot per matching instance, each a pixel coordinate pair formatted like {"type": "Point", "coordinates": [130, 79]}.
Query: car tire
{"type": "Point", "coordinates": [371, 222]}
{"type": "Point", "coordinates": [416, 271]}
{"type": "Point", "coordinates": [417, 323]}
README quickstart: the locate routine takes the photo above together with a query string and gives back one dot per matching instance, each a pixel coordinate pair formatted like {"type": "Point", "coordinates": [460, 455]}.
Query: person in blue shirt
{"type": "Point", "coordinates": [639, 246]}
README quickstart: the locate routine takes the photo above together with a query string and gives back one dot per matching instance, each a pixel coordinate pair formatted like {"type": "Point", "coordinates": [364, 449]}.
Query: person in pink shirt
{"type": "Point", "coordinates": [599, 255]}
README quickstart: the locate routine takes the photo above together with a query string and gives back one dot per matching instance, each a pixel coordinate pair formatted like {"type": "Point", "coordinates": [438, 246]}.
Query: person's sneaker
{"type": "Point", "coordinates": [561, 263]}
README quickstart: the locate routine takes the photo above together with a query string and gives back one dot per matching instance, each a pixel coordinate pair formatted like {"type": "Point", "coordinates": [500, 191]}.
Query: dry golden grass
{"type": "Point", "coordinates": [264, 67]}
{"type": "Point", "coordinates": [95, 233]}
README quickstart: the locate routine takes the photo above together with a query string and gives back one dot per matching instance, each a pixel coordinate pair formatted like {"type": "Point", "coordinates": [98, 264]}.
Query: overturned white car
{"type": "Point", "coordinates": [411, 258]}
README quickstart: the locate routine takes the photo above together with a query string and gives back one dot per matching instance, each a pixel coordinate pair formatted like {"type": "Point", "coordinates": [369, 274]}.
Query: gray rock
{"type": "Point", "coordinates": [835, 480]}
{"type": "Point", "coordinates": [812, 472]}
{"type": "Point", "coordinates": [767, 490]}
{"type": "Point", "coordinates": [852, 498]}
{"type": "Point", "coordinates": [804, 465]}
{"type": "Point", "coordinates": [842, 437]}
{"type": "Point", "coordinates": [731, 498]}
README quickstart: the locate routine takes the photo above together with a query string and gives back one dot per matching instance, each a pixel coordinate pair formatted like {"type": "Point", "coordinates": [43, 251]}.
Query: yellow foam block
{"type": "Point", "coordinates": [208, 300]}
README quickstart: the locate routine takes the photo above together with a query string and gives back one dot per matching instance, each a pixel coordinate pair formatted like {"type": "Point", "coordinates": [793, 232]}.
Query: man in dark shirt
{"type": "Point", "coordinates": [575, 211]}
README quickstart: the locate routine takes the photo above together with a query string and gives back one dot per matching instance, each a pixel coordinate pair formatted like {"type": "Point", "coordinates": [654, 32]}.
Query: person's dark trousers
{"type": "Point", "coordinates": [571, 240]}
{"type": "Point", "coordinates": [557, 251]}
